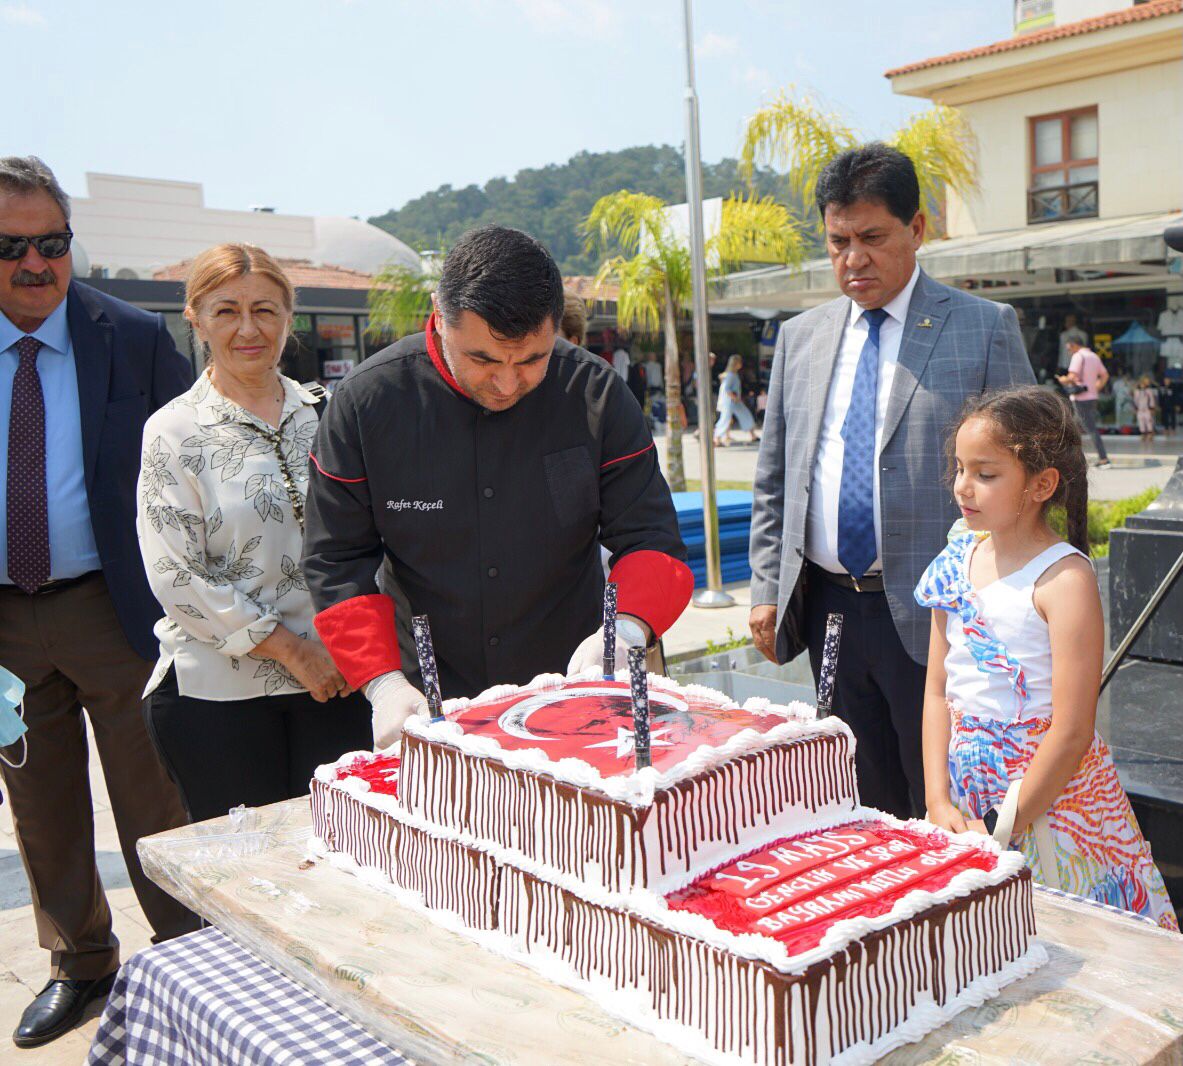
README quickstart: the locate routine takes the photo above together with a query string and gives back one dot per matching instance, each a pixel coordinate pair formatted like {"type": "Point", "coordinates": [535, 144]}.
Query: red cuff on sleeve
{"type": "Point", "coordinates": [653, 586]}
{"type": "Point", "coordinates": [359, 634]}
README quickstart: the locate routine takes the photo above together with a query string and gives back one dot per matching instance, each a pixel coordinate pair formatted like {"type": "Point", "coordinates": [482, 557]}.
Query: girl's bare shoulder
{"type": "Point", "coordinates": [1068, 583]}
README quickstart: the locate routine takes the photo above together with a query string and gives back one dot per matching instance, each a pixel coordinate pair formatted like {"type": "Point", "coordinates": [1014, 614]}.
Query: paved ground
{"type": "Point", "coordinates": [24, 967]}
{"type": "Point", "coordinates": [697, 625]}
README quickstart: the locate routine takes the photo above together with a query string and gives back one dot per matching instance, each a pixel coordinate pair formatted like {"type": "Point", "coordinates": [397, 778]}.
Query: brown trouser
{"type": "Point", "coordinates": [70, 651]}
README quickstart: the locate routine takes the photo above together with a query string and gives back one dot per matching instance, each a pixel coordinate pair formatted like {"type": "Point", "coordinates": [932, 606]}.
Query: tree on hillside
{"type": "Point", "coordinates": [797, 135]}
{"type": "Point", "coordinates": [650, 263]}
{"type": "Point", "coordinates": [551, 202]}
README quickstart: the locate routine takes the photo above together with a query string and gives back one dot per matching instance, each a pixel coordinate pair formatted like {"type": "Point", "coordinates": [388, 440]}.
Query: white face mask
{"type": "Point", "coordinates": [12, 722]}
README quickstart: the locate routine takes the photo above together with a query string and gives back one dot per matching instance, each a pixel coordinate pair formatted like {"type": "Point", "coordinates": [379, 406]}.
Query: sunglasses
{"type": "Point", "coordinates": [49, 245]}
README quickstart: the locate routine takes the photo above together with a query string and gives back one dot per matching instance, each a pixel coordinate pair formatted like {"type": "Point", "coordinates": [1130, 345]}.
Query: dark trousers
{"type": "Point", "coordinates": [254, 752]}
{"type": "Point", "coordinates": [70, 651]}
{"type": "Point", "coordinates": [1086, 412]}
{"type": "Point", "coordinates": [878, 692]}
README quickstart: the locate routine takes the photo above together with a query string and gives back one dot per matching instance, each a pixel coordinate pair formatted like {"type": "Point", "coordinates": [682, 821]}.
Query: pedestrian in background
{"type": "Point", "coordinates": [1145, 407]}
{"type": "Point", "coordinates": [1166, 404]}
{"type": "Point", "coordinates": [636, 382]}
{"type": "Point", "coordinates": [79, 373]}
{"type": "Point", "coordinates": [574, 324]}
{"type": "Point", "coordinates": [245, 702]}
{"type": "Point", "coordinates": [622, 359]}
{"type": "Point", "coordinates": [654, 374]}
{"type": "Point", "coordinates": [1172, 398]}
{"type": "Point", "coordinates": [1085, 379]}
{"type": "Point", "coordinates": [731, 407]}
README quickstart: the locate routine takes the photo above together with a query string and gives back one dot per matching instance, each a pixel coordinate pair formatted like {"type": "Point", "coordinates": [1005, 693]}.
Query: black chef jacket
{"type": "Point", "coordinates": [490, 522]}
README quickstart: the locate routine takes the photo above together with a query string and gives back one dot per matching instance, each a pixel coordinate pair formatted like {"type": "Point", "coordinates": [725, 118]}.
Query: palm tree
{"type": "Point", "coordinates": [799, 136]}
{"type": "Point", "coordinates": [651, 266]}
{"type": "Point", "coordinates": [399, 301]}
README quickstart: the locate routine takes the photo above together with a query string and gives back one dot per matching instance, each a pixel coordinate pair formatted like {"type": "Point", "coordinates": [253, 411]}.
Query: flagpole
{"type": "Point", "coordinates": [713, 595]}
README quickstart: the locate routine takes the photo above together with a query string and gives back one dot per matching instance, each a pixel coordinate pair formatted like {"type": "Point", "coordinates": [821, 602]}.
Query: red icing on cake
{"type": "Point", "coordinates": [593, 721]}
{"type": "Point", "coordinates": [796, 889]}
{"type": "Point", "coordinates": [379, 771]}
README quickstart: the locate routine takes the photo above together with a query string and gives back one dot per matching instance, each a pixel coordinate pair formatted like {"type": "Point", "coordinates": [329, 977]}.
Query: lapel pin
{"type": "Point", "coordinates": [925, 323]}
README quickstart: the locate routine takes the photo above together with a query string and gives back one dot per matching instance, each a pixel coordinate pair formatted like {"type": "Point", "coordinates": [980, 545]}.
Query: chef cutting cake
{"type": "Point", "coordinates": [474, 470]}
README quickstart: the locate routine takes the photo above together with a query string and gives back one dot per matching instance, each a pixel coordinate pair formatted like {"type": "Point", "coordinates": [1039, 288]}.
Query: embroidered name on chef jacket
{"type": "Point", "coordinates": [414, 505]}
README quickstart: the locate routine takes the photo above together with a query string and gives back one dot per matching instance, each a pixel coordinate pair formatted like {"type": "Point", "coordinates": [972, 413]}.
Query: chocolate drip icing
{"type": "Point", "coordinates": [743, 1007]}
{"type": "Point", "coordinates": [582, 832]}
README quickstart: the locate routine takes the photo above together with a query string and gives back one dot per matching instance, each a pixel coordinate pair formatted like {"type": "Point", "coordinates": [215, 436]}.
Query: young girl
{"type": "Point", "coordinates": [1014, 666]}
{"type": "Point", "coordinates": [1145, 406]}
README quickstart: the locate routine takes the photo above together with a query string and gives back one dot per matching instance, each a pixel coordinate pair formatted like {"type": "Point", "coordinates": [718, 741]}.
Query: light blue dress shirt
{"type": "Point", "coordinates": [72, 549]}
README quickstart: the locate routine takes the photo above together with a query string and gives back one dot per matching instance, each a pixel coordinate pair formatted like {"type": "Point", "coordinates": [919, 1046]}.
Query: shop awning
{"type": "Point", "coordinates": [1136, 335]}
{"type": "Point", "coordinates": [1127, 243]}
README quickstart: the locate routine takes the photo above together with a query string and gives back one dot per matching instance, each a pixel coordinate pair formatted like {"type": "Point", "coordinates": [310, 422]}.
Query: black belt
{"type": "Point", "coordinates": [866, 583]}
{"type": "Point", "coordinates": [51, 586]}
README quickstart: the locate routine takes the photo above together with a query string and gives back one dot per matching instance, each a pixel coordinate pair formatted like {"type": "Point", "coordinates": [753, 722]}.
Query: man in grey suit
{"type": "Point", "coordinates": [851, 496]}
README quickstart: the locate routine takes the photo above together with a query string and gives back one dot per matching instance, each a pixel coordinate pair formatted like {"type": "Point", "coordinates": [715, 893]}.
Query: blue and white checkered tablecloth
{"type": "Point", "coordinates": [203, 999]}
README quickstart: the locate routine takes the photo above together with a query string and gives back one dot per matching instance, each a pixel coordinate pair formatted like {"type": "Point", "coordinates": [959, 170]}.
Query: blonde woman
{"type": "Point", "coordinates": [244, 701]}
{"type": "Point", "coordinates": [730, 405]}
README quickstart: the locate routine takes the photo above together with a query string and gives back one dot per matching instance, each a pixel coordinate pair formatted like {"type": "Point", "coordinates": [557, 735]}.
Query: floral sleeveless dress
{"type": "Point", "coordinates": [1099, 851]}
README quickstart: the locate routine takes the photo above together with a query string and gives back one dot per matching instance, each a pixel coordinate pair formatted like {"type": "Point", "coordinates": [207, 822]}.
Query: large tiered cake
{"type": "Point", "coordinates": [733, 897]}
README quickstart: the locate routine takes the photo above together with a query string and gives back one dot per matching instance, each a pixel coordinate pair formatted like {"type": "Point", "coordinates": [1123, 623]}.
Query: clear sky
{"type": "Point", "coordinates": [354, 106]}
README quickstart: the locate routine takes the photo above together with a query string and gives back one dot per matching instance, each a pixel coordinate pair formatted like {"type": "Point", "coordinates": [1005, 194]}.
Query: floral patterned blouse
{"type": "Point", "coordinates": [220, 518]}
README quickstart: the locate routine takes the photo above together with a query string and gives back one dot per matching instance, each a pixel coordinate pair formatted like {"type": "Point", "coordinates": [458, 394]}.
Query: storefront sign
{"type": "Point", "coordinates": [1103, 345]}
{"type": "Point", "coordinates": [336, 368]}
{"type": "Point", "coordinates": [335, 331]}
{"type": "Point", "coordinates": [301, 323]}
{"type": "Point", "coordinates": [768, 334]}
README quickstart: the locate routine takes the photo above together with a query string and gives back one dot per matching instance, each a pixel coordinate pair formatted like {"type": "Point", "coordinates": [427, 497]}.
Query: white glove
{"type": "Point", "coordinates": [590, 654]}
{"type": "Point", "coordinates": [394, 700]}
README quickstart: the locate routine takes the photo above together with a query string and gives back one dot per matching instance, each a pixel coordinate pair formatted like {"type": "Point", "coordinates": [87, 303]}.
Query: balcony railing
{"type": "Point", "coordinates": [1054, 203]}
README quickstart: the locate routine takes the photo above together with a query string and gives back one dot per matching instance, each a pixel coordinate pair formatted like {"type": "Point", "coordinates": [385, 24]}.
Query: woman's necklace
{"type": "Point", "coordinates": [275, 438]}
{"type": "Point", "coordinates": [275, 400]}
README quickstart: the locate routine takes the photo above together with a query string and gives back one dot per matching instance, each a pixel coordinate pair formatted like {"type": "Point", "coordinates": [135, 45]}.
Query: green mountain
{"type": "Point", "coordinates": [550, 202]}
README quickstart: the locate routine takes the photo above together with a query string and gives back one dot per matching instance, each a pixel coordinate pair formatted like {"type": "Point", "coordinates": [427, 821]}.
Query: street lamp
{"type": "Point", "coordinates": [713, 595]}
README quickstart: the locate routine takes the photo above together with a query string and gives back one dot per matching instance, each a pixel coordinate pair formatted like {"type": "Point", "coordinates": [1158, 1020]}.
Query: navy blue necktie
{"type": "Point", "coordinates": [856, 500]}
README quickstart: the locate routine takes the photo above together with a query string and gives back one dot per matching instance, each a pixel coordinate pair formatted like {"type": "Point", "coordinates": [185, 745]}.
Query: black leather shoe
{"type": "Point", "coordinates": [56, 1010]}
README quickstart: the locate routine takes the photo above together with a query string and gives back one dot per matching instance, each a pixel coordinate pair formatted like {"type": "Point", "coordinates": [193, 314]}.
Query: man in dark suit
{"type": "Point", "coordinates": [79, 374]}
{"type": "Point", "coordinates": [851, 498]}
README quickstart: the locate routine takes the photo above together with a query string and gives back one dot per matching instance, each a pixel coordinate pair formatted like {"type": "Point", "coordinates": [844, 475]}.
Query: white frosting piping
{"type": "Point", "coordinates": [653, 907]}
{"type": "Point", "coordinates": [639, 787]}
{"type": "Point", "coordinates": [923, 1019]}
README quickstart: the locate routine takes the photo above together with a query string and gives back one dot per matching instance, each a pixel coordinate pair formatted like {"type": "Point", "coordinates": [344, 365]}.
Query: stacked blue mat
{"type": "Point", "coordinates": [735, 525]}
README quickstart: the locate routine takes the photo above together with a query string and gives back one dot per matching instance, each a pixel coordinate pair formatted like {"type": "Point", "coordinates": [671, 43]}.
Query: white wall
{"type": "Point", "coordinates": [1140, 115]}
{"type": "Point", "coordinates": [143, 224]}
{"type": "Point", "coordinates": [1074, 10]}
